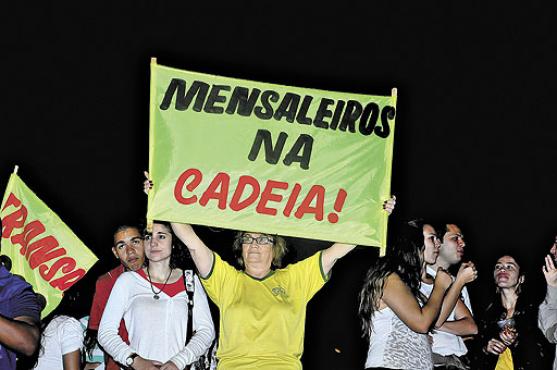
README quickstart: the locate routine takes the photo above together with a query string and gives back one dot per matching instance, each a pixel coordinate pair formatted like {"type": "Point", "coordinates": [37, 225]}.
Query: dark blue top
{"type": "Point", "coordinates": [16, 299]}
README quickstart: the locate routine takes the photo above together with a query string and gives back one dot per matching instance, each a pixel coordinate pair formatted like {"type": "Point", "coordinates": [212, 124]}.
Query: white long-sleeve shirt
{"type": "Point", "coordinates": [156, 328]}
{"type": "Point", "coordinates": [547, 317]}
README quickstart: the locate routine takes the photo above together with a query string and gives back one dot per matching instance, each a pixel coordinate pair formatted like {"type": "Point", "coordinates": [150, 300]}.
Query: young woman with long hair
{"type": "Point", "coordinates": [395, 316]}
{"type": "Point", "coordinates": [154, 304]}
{"type": "Point", "coordinates": [509, 337]}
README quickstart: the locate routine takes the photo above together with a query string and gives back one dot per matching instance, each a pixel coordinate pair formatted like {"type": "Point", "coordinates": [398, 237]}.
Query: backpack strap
{"type": "Point", "coordinates": [190, 290]}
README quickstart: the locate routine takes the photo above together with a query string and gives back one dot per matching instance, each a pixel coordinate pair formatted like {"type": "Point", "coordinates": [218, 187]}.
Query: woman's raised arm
{"type": "Point", "coordinates": [201, 254]}
{"type": "Point", "coordinates": [338, 250]}
{"type": "Point", "coordinates": [400, 299]}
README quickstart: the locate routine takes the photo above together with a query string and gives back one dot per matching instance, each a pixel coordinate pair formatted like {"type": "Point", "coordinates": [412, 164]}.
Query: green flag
{"type": "Point", "coordinates": [43, 250]}
{"type": "Point", "coordinates": [263, 157]}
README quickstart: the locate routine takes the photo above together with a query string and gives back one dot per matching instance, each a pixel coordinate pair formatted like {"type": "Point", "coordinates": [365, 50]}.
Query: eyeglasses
{"type": "Point", "coordinates": [261, 240]}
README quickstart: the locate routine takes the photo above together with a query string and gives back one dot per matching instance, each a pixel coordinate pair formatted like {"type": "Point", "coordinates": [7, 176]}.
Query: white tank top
{"type": "Point", "coordinates": [394, 345]}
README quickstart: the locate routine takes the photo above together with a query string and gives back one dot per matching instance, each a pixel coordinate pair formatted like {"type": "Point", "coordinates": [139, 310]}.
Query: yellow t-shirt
{"type": "Point", "coordinates": [262, 321]}
{"type": "Point", "coordinates": [505, 361]}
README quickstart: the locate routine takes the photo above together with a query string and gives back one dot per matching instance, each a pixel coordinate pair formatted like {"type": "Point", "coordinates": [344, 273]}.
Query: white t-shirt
{"type": "Point", "coordinates": [63, 335]}
{"type": "Point", "coordinates": [444, 343]}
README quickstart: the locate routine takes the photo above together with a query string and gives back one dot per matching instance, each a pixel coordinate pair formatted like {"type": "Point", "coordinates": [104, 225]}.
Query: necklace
{"type": "Point", "coordinates": [156, 294]}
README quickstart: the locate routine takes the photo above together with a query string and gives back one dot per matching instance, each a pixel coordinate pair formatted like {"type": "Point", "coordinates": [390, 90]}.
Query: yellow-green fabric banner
{"type": "Point", "coordinates": [43, 250]}
{"type": "Point", "coordinates": [262, 157]}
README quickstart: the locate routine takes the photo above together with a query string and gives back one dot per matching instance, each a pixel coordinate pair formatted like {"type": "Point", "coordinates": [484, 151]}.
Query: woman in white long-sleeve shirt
{"type": "Point", "coordinates": [153, 303]}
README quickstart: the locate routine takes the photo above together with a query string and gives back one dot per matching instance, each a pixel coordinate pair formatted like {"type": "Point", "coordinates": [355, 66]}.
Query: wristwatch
{"type": "Point", "coordinates": [130, 358]}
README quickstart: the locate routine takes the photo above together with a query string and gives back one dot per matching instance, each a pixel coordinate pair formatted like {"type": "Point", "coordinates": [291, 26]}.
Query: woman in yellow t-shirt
{"type": "Point", "coordinates": [262, 306]}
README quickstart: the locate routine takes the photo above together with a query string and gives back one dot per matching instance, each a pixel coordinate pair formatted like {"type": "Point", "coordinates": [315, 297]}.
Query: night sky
{"type": "Point", "coordinates": [475, 132]}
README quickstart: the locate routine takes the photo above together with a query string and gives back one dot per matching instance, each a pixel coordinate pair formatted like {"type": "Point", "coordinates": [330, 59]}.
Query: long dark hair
{"type": "Point", "coordinates": [494, 310]}
{"type": "Point", "coordinates": [404, 259]}
{"type": "Point", "coordinates": [531, 350]}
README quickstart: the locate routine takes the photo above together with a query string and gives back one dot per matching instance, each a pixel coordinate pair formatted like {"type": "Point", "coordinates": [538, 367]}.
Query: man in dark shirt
{"type": "Point", "coordinates": [19, 319]}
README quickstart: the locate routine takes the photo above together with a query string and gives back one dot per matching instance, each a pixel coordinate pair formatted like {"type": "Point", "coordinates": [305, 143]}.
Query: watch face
{"type": "Point", "coordinates": [129, 360]}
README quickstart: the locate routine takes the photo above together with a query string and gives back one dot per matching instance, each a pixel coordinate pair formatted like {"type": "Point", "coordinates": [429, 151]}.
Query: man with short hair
{"type": "Point", "coordinates": [19, 319]}
{"type": "Point", "coordinates": [448, 347]}
{"type": "Point", "coordinates": [128, 249]}
{"type": "Point", "coordinates": [547, 314]}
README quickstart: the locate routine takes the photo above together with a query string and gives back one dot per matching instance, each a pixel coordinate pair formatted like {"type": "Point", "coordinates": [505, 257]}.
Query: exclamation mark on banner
{"type": "Point", "coordinates": [339, 203]}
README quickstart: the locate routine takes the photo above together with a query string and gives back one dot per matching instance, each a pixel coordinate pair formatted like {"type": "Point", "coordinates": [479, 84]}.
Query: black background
{"type": "Point", "coordinates": [475, 122]}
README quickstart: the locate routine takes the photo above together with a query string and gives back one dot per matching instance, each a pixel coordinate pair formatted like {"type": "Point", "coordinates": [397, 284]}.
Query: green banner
{"type": "Point", "coordinates": [43, 250]}
{"type": "Point", "coordinates": [277, 159]}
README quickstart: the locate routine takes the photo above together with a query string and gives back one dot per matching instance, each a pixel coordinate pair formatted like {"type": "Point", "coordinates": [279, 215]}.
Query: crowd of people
{"type": "Point", "coordinates": [417, 316]}
{"type": "Point", "coordinates": [152, 311]}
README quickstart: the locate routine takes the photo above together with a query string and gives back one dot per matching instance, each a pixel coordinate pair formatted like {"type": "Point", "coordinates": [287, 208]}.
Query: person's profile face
{"type": "Point", "coordinates": [431, 244]}
{"type": "Point", "coordinates": [452, 248]}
